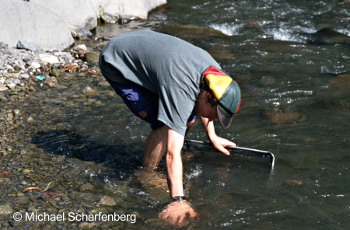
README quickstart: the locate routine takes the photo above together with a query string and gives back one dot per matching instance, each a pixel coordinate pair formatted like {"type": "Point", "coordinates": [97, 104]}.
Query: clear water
{"type": "Point", "coordinates": [265, 50]}
{"type": "Point", "coordinates": [309, 187]}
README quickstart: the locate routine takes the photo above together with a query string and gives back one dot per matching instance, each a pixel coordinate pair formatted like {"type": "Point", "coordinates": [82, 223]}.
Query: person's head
{"type": "Point", "coordinates": [220, 96]}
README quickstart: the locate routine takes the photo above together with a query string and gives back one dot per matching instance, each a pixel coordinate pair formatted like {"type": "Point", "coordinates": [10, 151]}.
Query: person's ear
{"type": "Point", "coordinates": [207, 94]}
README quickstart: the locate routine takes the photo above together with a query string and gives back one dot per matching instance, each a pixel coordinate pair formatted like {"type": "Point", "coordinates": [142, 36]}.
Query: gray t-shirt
{"type": "Point", "coordinates": [166, 65]}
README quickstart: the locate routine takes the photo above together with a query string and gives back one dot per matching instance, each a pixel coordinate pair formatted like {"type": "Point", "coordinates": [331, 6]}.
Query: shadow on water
{"type": "Point", "coordinates": [71, 144]}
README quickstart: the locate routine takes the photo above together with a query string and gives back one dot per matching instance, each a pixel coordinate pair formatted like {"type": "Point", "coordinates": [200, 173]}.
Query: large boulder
{"type": "Point", "coordinates": [46, 24]}
{"type": "Point", "coordinates": [32, 23]}
{"type": "Point", "coordinates": [127, 8]}
{"type": "Point", "coordinates": [327, 36]}
{"type": "Point", "coordinates": [77, 13]}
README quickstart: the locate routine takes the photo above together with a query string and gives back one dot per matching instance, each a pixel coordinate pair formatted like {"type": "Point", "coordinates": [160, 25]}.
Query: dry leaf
{"type": "Point", "coordinates": [71, 66]}
{"type": "Point", "coordinates": [31, 188]}
{"type": "Point", "coordinates": [51, 194]}
{"type": "Point", "coordinates": [92, 72]}
{"type": "Point", "coordinates": [295, 182]}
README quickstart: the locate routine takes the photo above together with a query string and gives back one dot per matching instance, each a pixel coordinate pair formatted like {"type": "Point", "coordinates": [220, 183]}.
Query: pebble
{"type": "Point", "coordinates": [19, 67]}
{"type": "Point", "coordinates": [49, 58]}
{"type": "Point", "coordinates": [5, 209]}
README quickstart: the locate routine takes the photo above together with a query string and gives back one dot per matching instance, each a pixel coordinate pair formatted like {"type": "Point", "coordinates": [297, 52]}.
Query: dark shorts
{"type": "Point", "coordinates": [142, 102]}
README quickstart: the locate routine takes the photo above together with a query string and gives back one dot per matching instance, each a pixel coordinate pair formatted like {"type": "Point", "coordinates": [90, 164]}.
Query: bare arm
{"type": "Point", "coordinates": [177, 213]}
{"type": "Point", "coordinates": [218, 142]}
{"type": "Point", "coordinates": [174, 163]}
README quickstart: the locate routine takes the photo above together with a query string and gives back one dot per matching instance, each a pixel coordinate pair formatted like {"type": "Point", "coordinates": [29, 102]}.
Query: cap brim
{"type": "Point", "coordinates": [225, 118]}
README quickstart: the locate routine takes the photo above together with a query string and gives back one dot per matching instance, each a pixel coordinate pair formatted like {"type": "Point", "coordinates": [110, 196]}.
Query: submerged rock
{"type": "Point", "coordinates": [108, 201]}
{"type": "Point", "coordinates": [328, 36]}
{"type": "Point", "coordinates": [188, 31]}
{"type": "Point", "coordinates": [342, 84]}
{"type": "Point", "coordinates": [153, 183]}
{"type": "Point", "coordinates": [332, 104]}
{"type": "Point", "coordinates": [283, 116]}
{"type": "Point", "coordinates": [5, 209]}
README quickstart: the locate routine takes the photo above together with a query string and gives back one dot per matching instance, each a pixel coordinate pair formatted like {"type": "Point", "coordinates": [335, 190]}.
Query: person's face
{"type": "Point", "coordinates": [204, 108]}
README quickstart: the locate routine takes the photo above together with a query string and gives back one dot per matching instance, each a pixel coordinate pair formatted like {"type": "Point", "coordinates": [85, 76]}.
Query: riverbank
{"type": "Point", "coordinates": [49, 164]}
{"type": "Point", "coordinates": [24, 73]}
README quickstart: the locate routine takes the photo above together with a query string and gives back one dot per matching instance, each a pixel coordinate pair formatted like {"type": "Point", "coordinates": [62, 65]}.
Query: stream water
{"type": "Point", "coordinates": [90, 146]}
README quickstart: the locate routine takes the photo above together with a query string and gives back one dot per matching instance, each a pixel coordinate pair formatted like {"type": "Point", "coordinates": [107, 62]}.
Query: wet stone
{"type": "Point", "coordinates": [329, 103]}
{"type": "Point", "coordinates": [328, 36]}
{"type": "Point", "coordinates": [104, 84]}
{"type": "Point", "coordinates": [267, 81]}
{"type": "Point", "coordinates": [5, 209]}
{"type": "Point", "coordinates": [107, 201]}
{"type": "Point", "coordinates": [342, 83]}
{"type": "Point", "coordinates": [55, 73]}
{"type": "Point", "coordinates": [92, 57]}
{"type": "Point", "coordinates": [283, 116]}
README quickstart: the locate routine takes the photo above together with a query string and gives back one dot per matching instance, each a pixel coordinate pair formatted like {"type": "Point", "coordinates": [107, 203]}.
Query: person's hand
{"type": "Point", "coordinates": [220, 143]}
{"type": "Point", "coordinates": [178, 213]}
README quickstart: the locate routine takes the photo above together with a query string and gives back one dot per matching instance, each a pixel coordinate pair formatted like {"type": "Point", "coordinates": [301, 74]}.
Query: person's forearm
{"type": "Point", "coordinates": [218, 142]}
{"type": "Point", "coordinates": [174, 163]}
{"type": "Point", "coordinates": [209, 128]}
{"type": "Point", "coordinates": [175, 174]}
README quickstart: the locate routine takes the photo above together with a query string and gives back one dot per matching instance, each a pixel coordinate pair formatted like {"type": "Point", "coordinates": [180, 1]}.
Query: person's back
{"type": "Point", "coordinates": [150, 59]}
{"type": "Point", "coordinates": [167, 66]}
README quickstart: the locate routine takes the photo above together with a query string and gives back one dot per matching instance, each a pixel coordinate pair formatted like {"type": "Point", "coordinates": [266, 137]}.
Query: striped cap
{"type": "Point", "coordinates": [227, 93]}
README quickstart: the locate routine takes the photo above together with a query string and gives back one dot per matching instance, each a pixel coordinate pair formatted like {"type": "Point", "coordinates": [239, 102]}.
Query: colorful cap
{"type": "Point", "coordinates": [227, 93]}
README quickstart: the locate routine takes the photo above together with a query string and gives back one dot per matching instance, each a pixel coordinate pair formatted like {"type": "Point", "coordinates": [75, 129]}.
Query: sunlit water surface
{"type": "Point", "coordinates": [264, 49]}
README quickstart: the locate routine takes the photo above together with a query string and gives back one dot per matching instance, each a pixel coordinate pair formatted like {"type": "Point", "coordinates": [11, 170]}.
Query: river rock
{"type": "Point", "coordinates": [33, 23]}
{"type": "Point", "coordinates": [329, 103]}
{"type": "Point", "coordinates": [88, 90]}
{"type": "Point", "coordinates": [81, 34]}
{"type": "Point", "coordinates": [107, 18]}
{"type": "Point", "coordinates": [5, 209]}
{"type": "Point", "coordinates": [328, 36]}
{"type": "Point", "coordinates": [3, 46]}
{"type": "Point", "coordinates": [46, 24]}
{"type": "Point", "coordinates": [188, 31]}
{"type": "Point", "coordinates": [283, 116]}
{"type": "Point", "coordinates": [80, 50]}
{"type": "Point", "coordinates": [92, 57]}
{"type": "Point", "coordinates": [23, 44]}
{"type": "Point", "coordinates": [108, 201]}
{"type": "Point", "coordinates": [3, 88]}
{"type": "Point", "coordinates": [76, 14]}
{"type": "Point", "coordinates": [342, 84]}
{"type": "Point", "coordinates": [153, 182]}
{"type": "Point", "coordinates": [13, 81]}
{"type": "Point", "coordinates": [35, 65]}
{"type": "Point", "coordinates": [127, 8]}
{"type": "Point", "coordinates": [55, 73]}
{"type": "Point", "coordinates": [267, 81]}
{"type": "Point", "coordinates": [48, 58]}
{"type": "Point", "coordinates": [51, 81]}
{"type": "Point", "coordinates": [24, 76]}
